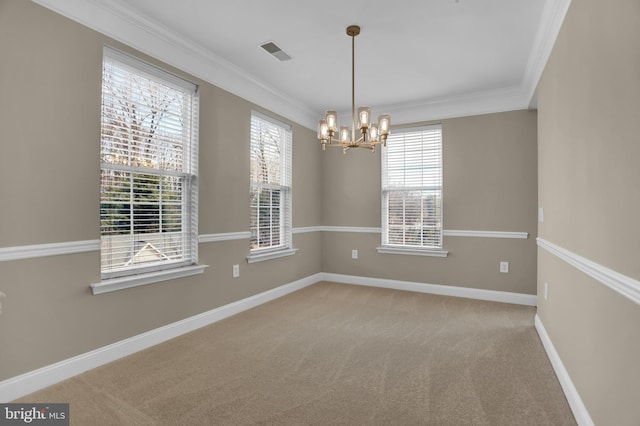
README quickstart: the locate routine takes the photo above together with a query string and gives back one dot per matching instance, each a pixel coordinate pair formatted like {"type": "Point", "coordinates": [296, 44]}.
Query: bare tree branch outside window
{"type": "Point", "coordinates": [143, 177]}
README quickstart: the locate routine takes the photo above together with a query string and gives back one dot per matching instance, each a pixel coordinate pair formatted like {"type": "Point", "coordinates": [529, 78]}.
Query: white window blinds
{"type": "Point", "coordinates": [412, 188]}
{"type": "Point", "coordinates": [149, 159]}
{"type": "Point", "coordinates": [270, 175]}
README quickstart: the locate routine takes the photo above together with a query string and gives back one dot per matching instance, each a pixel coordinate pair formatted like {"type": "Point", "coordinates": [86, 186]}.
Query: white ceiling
{"type": "Point", "coordinates": [416, 59]}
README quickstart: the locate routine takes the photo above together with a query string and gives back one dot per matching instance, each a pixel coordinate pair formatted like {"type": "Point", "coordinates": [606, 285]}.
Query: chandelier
{"type": "Point", "coordinates": [371, 134]}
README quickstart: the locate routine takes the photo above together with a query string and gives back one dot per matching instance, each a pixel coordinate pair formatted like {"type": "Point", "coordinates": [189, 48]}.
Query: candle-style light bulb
{"type": "Point", "coordinates": [373, 133]}
{"type": "Point", "coordinates": [332, 122]}
{"type": "Point", "coordinates": [323, 133]}
{"type": "Point", "coordinates": [384, 123]}
{"type": "Point", "coordinates": [345, 134]}
{"type": "Point", "coordinates": [364, 114]}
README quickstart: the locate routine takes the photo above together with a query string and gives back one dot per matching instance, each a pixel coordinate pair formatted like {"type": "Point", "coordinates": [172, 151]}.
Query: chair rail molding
{"type": "Point", "coordinates": [624, 285]}
{"type": "Point", "coordinates": [49, 249]}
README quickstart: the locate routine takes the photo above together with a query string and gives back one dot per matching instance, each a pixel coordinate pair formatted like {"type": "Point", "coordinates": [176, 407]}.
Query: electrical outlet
{"type": "Point", "coordinates": [354, 254]}
{"type": "Point", "coordinates": [236, 271]}
{"type": "Point", "coordinates": [504, 267]}
{"type": "Point", "coordinates": [540, 215]}
{"type": "Point", "coordinates": [545, 290]}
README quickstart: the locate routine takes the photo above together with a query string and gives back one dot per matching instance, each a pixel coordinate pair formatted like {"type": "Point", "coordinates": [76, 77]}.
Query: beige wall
{"type": "Point", "coordinates": [489, 184]}
{"type": "Point", "coordinates": [49, 168]}
{"type": "Point", "coordinates": [50, 78]}
{"type": "Point", "coordinates": [589, 186]}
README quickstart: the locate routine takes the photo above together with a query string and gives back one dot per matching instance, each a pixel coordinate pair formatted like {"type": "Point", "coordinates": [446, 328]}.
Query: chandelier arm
{"type": "Point", "coordinates": [351, 144]}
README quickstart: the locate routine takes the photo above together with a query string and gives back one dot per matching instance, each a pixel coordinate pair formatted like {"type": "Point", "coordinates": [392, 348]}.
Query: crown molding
{"type": "Point", "coordinates": [477, 103]}
{"type": "Point", "coordinates": [117, 20]}
{"type": "Point", "coordinates": [551, 21]}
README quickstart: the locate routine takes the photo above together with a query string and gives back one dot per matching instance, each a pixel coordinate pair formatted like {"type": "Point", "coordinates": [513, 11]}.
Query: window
{"type": "Point", "coordinates": [412, 192]}
{"type": "Point", "coordinates": [270, 193]}
{"type": "Point", "coordinates": [148, 158]}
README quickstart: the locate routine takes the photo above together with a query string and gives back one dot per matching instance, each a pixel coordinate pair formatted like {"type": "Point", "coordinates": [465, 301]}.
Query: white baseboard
{"type": "Point", "coordinates": [573, 397]}
{"type": "Point", "coordinates": [443, 290]}
{"type": "Point", "coordinates": [32, 381]}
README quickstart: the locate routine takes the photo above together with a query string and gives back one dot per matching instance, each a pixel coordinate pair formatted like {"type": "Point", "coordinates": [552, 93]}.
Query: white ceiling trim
{"type": "Point", "coordinates": [128, 27]}
{"type": "Point", "coordinates": [121, 23]}
{"type": "Point", "coordinates": [485, 102]}
{"type": "Point", "coordinates": [553, 15]}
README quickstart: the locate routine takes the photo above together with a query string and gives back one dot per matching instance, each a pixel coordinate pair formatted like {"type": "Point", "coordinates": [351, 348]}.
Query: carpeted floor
{"type": "Point", "coordinates": [334, 354]}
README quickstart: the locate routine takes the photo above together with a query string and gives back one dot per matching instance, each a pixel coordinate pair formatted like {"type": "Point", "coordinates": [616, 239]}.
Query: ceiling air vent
{"type": "Point", "coordinates": [275, 51]}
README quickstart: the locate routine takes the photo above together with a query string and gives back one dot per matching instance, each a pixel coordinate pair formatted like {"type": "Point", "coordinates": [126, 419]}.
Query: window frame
{"type": "Point", "coordinates": [284, 186]}
{"type": "Point", "coordinates": [120, 275]}
{"type": "Point", "coordinates": [436, 188]}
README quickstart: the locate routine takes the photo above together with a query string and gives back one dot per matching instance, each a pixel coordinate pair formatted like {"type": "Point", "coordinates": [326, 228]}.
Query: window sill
{"type": "Point", "coordinates": [412, 251]}
{"type": "Point", "coordinates": [114, 284]}
{"type": "Point", "coordinates": [261, 257]}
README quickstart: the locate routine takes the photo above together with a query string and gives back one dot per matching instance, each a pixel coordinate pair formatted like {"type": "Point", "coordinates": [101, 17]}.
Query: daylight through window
{"type": "Point", "coordinates": [412, 188]}
{"type": "Point", "coordinates": [270, 193]}
{"type": "Point", "coordinates": [148, 157]}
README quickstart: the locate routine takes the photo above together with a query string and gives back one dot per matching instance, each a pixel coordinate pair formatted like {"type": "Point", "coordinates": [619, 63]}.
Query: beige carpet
{"type": "Point", "coordinates": [334, 354]}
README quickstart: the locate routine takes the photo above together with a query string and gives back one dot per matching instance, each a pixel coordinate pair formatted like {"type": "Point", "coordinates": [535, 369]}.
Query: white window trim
{"type": "Point", "coordinates": [409, 250]}
{"type": "Point", "coordinates": [109, 284]}
{"type": "Point", "coordinates": [130, 281]}
{"type": "Point", "coordinates": [274, 254]}
{"type": "Point", "coordinates": [433, 252]}
{"type": "Point", "coordinates": [287, 249]}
